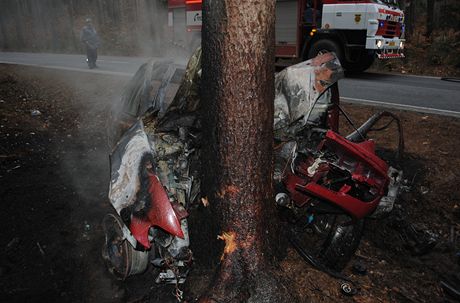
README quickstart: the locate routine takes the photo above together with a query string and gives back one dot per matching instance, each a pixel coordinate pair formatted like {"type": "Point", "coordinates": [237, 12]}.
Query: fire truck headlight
{"type": "Point", "coordinates": [401, 45]}
{"type": "Point", "coordinates": [379, 43]}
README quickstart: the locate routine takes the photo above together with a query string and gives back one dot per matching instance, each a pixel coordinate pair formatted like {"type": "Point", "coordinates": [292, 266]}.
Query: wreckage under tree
{"type": "Point", "coordinates": [164, 133]}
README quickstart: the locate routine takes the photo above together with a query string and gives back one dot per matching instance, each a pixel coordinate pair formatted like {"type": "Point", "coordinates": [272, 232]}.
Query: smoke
{"type": "Point", "coordinates": [134, 28]}
{"type": "Point", "coordinates": [137, 28]}
{"type": "Point", "coordinates": [131, 28]}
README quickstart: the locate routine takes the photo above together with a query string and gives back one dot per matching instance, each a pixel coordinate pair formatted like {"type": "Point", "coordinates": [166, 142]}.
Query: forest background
{"type": "Point", "coordinates": [140, 28]}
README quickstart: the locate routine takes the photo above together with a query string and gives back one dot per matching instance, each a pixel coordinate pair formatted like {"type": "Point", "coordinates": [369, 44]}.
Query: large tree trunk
{"type": "Point", "coordinates": [238, 93]}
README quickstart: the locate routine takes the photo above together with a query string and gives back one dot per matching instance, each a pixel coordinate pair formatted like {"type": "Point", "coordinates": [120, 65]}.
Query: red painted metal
{"type": "Point", "coordinates": [286, 51]}
{"type": "Point", "coordinates": [389, 29]}
{"type": "Point", "coordinates": [333, 112]}
{"type": "Point", "coordinates": [195, 6]}
{"type": "Point", "coordinates": [139, 227]}
{"type": "Point", "coordinates": [193, 28]}
{"type": "Point", "coordinates": [390, 55]}
{"type": "Point", "coordinates": [180, 211]}
{"type": "Point", "coordinates": [160, 214]}
{"type": "Point", "coordinates": [301, 4]}
{"type": "Point", "coordinates": [361, 151]}
{"type": "Point", "coordinates": [357, 208]}
{"type": "Point", "coordinates": [365, 168]}
{"type": "Point", "coordinates": [176, 3]}
{"type": "Point", "coordinates": [390, 12]}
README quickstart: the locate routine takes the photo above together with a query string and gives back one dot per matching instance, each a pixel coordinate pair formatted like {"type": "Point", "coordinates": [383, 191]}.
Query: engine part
{"type": "Point", "coordinates": [121, 258]}
{"type": "Point", "coordinates": [387, 202]}
{"type": "Point", "coordinates": [282, 199]}
{"type": "Point", "coordinates": [359, 134]}
{"type": "Point", "coordinates": [348, 175]}
{"type": "Point", "coordinates": [169, 277]}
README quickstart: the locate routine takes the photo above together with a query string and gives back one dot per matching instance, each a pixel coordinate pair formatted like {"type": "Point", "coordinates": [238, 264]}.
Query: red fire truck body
{"type": "Point", "coordinates": [357, 30]}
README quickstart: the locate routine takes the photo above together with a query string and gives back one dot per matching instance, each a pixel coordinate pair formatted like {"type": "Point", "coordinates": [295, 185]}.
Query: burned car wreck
{"type": "Point", "coordinates": [325, 184]}
{"type": "Point", "coordinates": [154, 175]}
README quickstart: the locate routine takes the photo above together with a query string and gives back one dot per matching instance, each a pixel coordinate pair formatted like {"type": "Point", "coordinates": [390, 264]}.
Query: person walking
{"type": "Point", "coordinates": [90, 38]}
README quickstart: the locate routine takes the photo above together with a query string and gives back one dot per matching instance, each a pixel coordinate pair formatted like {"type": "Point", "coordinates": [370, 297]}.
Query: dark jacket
{"type": "Point", "coordinates": [89, 37]}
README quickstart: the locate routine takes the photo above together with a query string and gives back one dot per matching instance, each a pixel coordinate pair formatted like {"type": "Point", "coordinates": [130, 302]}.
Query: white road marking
{"type": "Point", "coordinates": [111, 61]}
{"type": "Point", "coordinates": [344, 99]}
{"type": "Point", "coordinates": [404, 75]}
{"type": "Point", "coordinates": [421, 109]}
{"type": "Point", "coordinates": [75, 69]}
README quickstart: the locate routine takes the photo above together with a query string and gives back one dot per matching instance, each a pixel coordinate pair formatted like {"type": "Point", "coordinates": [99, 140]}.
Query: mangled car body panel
{"type": "Point", "coordinates": [125, 163]}
{"type": "Point", "coordinates": [302, 95]}
{"type": "Point", "coordinates": [347, 174]}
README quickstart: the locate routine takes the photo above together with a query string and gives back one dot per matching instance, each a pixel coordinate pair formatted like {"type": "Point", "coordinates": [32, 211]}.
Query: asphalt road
{"type": "Point", "coordinates": [416, 93]}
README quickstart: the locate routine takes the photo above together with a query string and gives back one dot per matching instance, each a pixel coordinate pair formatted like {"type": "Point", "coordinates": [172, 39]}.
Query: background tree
{"type": "Point", "coordinates": [238, 94]}
{"type": "Point", "coordinates": [430, 15]}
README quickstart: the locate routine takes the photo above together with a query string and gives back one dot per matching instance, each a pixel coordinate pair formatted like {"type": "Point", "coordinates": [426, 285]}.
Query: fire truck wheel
{"type": "Point", "coordinates": [325, 45]}
{"type": "Point", "coordinates": [365, 61]}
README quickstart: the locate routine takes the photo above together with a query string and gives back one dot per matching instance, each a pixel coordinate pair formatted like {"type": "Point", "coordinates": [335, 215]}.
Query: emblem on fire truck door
{"type": "Point", "coordinates": [357, 18]}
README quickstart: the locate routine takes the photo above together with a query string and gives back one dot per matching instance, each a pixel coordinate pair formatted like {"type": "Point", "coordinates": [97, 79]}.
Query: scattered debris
{"type": "Point", "coordinates": [13, 242]}
{"type": "Point", "coordinates": [86, 230]}
{"type": "Point", "coordinates": [42, 252]}
{"type": "Point", "coordinates": [451, 285]}
{"type": "Point", "coordinates": [347, 289]}
{"type": "Point", "coordinates": [424, 190]}
{"type": "Point", "coordinates": [359, 269]}
{"type": "Point", "coordinates": [86, 226]}
{"type": "Point", "coordinates": [16, 167]}
{"type": "Point", "coordinates": [35, 112]}
{"type": "Point", "coordinates": [205, 201]}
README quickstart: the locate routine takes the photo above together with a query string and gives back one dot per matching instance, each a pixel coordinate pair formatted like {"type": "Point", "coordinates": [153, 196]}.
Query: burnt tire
{"type": "Point", "coordinates": [326, 45]}
{"type": "Point", "coordinates": [331, 242]}
{"type": "Point", "coordinates": [121, 259]}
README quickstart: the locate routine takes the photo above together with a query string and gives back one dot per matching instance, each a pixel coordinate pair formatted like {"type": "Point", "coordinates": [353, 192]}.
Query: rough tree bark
{"type": "Point", "coordinates": [238, 93]}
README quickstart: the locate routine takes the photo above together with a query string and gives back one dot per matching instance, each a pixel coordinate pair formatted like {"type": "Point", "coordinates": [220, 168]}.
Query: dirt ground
{"type": "Point", "coordinates": [54, 175]}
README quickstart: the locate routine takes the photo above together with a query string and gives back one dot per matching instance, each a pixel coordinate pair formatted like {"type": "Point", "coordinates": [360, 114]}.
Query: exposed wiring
{"type": "Point", "coordinates": [383, 127]}
{"type": "Point", "coordinates": [351, 122]}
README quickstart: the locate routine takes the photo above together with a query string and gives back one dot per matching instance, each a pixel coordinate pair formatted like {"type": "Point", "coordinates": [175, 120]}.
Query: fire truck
{"type": "Point", "coordinates": [358, 31]}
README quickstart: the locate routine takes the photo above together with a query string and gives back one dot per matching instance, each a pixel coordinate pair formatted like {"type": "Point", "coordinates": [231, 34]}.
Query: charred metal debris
{"type": "Point", "coordinates": [326, 184]}
{"type": "Point", "coordinates": [154, 134]}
